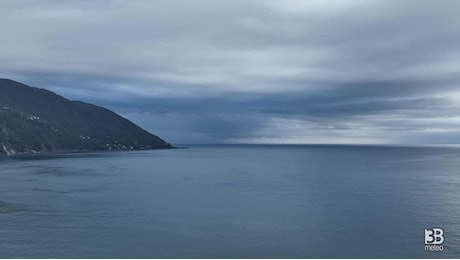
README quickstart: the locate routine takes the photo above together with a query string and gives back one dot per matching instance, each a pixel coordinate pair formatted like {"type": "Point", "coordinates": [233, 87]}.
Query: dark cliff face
{"type": "Point", "coordinates": [34, 120]}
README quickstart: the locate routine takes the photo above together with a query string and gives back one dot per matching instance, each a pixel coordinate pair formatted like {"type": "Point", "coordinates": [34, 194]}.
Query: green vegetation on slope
{"type": "Point", "coordinates": [34, 120]}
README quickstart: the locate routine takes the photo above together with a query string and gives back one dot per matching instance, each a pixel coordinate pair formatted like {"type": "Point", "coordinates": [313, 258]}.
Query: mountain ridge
{"type": "Point", "coordinates": [36, 120]}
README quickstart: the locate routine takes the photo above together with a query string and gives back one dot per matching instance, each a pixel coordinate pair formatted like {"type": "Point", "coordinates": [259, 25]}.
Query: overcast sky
{"type": "Point", "coordinates": [249, 71]}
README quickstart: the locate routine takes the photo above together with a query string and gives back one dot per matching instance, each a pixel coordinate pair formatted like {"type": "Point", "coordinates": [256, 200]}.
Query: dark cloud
{"type": "Point", "coordinates": [249, 71]}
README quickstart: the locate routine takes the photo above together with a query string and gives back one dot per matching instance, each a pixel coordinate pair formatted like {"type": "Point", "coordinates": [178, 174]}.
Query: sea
{"type": "Point", "coordinates": [232, 201]}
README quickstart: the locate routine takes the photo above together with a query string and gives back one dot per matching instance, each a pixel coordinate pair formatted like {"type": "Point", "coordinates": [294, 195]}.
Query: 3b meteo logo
{"type": "Point", "coordinates": [433, 239]}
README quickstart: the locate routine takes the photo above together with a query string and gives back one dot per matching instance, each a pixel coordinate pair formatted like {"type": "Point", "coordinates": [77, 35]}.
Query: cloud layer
{"type": "Point", "coordinates": [249, 71]}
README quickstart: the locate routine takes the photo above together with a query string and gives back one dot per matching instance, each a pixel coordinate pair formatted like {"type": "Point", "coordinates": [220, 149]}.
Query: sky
{"type": "Point", "coordinates": [218, 71]}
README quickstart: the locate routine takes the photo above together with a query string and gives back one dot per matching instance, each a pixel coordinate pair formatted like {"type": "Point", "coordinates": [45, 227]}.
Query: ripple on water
{"type": "Point", "coordinates": [10, 207]}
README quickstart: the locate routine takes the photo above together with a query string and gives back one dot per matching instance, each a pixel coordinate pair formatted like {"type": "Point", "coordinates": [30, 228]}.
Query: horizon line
{"type": "Point", "coordinates": [318, 144]}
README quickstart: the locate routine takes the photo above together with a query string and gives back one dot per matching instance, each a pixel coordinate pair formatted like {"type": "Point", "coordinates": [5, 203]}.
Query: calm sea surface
{"type": "Point", "coordinates": [231, 202]}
